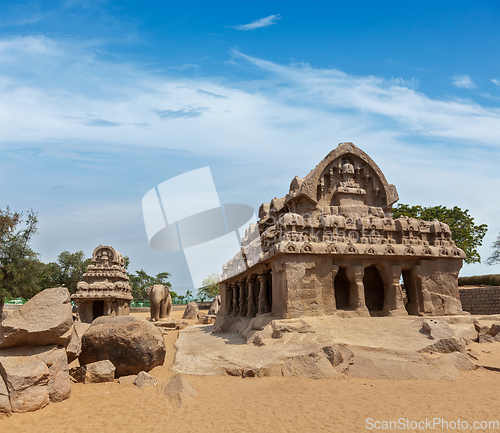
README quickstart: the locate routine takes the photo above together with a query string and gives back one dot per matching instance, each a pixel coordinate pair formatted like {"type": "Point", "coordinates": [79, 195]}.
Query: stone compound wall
{"type": "Point", "coordinates": [481, 300]}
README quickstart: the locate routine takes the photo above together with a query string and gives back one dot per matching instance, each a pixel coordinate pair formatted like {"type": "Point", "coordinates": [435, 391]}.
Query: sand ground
{"type": "Point", "coordinates": [233, 404]}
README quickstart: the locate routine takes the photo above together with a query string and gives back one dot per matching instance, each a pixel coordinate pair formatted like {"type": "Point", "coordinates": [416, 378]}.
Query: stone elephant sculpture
{"type": "Point", "coordinates": [160, 301]}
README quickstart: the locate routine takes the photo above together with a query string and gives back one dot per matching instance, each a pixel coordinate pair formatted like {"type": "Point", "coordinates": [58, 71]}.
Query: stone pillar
{"type": "Point", "coordinates": [393, 299]}
{"type": "Point", "coordinates": [229, 300]}
{"type": "Point", "coordinates": [263, 297]}
{"type": "Point", "coordinates": [243, 298]}
{"type": "Point", "coordinates": [251, 307]}
{"type": "Point", "coordinates": [236, 298]}
{"type": "Point", "coordinates": [357, 290]}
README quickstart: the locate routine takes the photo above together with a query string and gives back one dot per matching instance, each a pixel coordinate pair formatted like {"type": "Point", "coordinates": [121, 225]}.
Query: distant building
{"type": "Point", "coordinates": [105, 291]}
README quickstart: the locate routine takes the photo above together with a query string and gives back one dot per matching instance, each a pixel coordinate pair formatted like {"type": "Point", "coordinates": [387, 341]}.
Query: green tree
{"type": "Point", "coordinates": [467, 235]}
{"type": "Point", "coordinates": [67, 271]}
{"type": "Point", "coordinates": [140, 280]}
{"type": "Point", "coordinates": [494, 259]}
{"type": "Point", "coordinates": [210, 287]}
{"type": "Point", "coordinates": [20, 269]}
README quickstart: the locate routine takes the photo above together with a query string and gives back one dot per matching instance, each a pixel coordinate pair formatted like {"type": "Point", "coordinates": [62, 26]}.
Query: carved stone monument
{"type": "Point", "coordinates": [330, 246]}
{"type": "Point", "coordinates": [105, 291]}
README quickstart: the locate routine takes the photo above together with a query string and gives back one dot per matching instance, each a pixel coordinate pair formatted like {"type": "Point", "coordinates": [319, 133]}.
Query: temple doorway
{"type": "Point", "coordinates": [374, 289]}
{"type": "Point", "coordinates": [341, 287]}
{"type": "Point", "coordinates": [97, 309]}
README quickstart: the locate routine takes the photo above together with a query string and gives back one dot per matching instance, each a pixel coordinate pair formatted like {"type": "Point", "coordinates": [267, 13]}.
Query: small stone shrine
{"type": "Point", "coordinates": [330, 246]}
{"type": "Point", "coordinates": [105, 291]}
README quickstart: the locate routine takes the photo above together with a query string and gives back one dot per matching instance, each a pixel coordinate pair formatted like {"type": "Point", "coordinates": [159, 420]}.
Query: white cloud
{"type": "Point", "coordinates": [261, 132]}
{"type": "Point", "coordinates": [263, 22]}
{"type": "Point", "coordinates": [463, 81]}
{"type": "Point", "coordinates": [497, 82]}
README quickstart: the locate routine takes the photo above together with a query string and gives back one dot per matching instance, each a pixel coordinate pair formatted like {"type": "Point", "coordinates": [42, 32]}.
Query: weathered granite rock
{"type": "Point", "coordinates": [5, 408]}
{"type": "Point", "coordinates": [74, 347]}
{"type": "Point", "coordinates": [445, 345]}
{"type": "Point", "coordinates": [340, 356]}
{"type": "Point", "coordinates": [192, 311]}
{"type": "Point", "coordinates": [460, 361]}
{"type": "Point", "coordinates": [131, 344]}
{"type": "Point", "coordinates": [481, 328]}
{"type": "Point", "coordinates": [215, 306]}
{"type": "Point", "coordinates": [174, 324]}
{"type": "Point", "coordinates": [144, 379]}
{"type": "Point", "coordinates": [178, 389]}
{"type": "Point", "coordinates": [207, 319]}
{"type": "Point", "coordinates": [437, 329]}
{"type": "Point", "coordinates": [95, 372]}
{"type": "Point", "coordinates": [44, 320]}
{"type": "Point", "coordinates": [485, 338]}
{"type": "Point", "coordinates": [127, 380]}
{"type": "Point", "coordinates": [34, 376]}
{"type": "Point", "coordinates": [495, 329]}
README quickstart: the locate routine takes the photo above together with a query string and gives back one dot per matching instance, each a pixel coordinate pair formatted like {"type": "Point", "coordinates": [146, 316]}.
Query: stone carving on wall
{"type": "Point", "coordinates": [342, 210]}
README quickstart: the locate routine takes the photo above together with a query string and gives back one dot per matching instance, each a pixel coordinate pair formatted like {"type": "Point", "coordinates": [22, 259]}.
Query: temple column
{"type": "Point", "coordinates": [263, 298]}
{"type": "Point", "coordinates": [229, 300]}
{"type": "Point", "coordinates": [357, 290]}
{"type": "Point", "coordinates": [251, 310]}
{"type": "Point", "coordinates": [236, 309]}
{"type": "Point", "coordinates": [243, 298]}
{"type": "Point", "coordinates": [393, 299]}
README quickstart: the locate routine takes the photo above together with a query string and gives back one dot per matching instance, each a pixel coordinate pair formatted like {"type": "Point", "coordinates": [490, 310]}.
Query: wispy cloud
{"type": "Point", "coordinates": [187, 113]}
{"type": "Point", "coordinates": [100, 123]}
{"type": "Point", "coordinates": [463, 81]}
{"type": "Point", "coordinates": [263, 22]}
{"type": "Point", "coordinates": [497, 82]}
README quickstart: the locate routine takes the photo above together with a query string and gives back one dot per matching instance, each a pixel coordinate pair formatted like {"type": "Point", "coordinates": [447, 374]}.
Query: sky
{"type": "Point", "coordinates": [102, 101]}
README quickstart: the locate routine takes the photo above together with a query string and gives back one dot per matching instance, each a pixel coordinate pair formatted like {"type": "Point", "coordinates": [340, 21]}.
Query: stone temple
{"type": "Point", "coordinates": [105, 291]}
{"type": "Point", "coordinates": [331, 247]}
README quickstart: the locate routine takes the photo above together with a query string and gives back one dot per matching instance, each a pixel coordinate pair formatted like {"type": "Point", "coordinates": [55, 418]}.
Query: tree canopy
{"type": "Point", "coordinates": [140, 280]}
{"type": "Point", "coordinates": [494, 259]}
{"type": "Point", "coordinates": [20, 269]}
{"type": "Point", "coordinates": [67, 271]}
{"type": "Point", "coordinates": [210, 287]}
{"type": "Point", "coordinates": [466, 235]}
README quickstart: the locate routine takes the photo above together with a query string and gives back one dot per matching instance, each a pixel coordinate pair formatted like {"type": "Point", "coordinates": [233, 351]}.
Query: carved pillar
{"type": "Point", "coordinates": [229, 300]}
{"type": "Point", "coordinates": [243, 298]}
{"type": "Point", "coordinates": [236, 307]}
{"type": "Point", "coordinates": [393, 299]}
{"type": "Point", "coordinates": [251, 307]}
{"type": "Point", "coordinates": [263, 297]}
{"type": "Point", "coordinates": [357, 290]}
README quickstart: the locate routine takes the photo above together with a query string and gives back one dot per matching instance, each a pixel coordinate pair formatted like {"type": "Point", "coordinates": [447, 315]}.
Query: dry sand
{"type": "Point", "coordinates": [232, 404]}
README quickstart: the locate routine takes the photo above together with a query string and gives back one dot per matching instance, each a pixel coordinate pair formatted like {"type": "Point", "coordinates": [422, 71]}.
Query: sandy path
{"type": "Point", "coordinates": [230, 404]}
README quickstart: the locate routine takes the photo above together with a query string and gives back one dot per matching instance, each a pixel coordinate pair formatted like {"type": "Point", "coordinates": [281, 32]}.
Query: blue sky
{"type": "Point", "coordinates": [101, 101]}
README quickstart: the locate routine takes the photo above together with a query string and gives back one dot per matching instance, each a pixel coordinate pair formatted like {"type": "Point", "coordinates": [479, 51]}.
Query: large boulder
{"type": "Point", "coordinates": [5, 408]}
{"type": "Point", "coordinates": [44, 320]}
{"type": "Point", "coordinates": [131, 344]}
{"type": "Point", "coordinates": [34, 376]}
{"type": "Point", "coordinates": [192, 311]}
{"type": "Point", "coordinates": [215, 306]}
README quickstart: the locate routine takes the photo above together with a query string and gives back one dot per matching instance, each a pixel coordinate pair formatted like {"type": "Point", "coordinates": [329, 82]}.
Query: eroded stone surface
{"type": "Point", "coordinates": [144, 379]}
{"type": "Point", "coordinates": [131, 344]}
{"type": "Point", "coordinates": [44, 320]}
{"type": "Point", "coordinates": [178, 390]}
{"type": "Point", "coordinates": [95, 372]}
{"type": "Point", "coordinates": [34, 376]}
{"type": "Point", "coordinates": [192, 311]}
